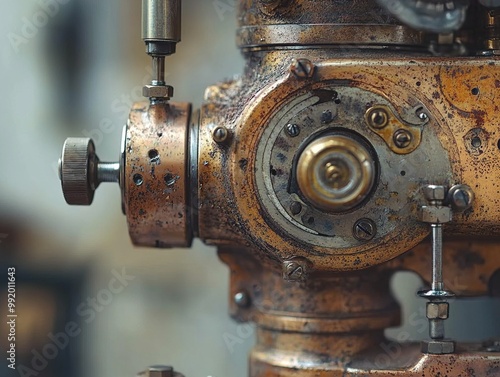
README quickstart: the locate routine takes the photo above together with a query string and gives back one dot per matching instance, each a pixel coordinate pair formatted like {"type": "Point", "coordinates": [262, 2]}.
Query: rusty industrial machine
{"type": "Point", "coordinates": [362, 139]}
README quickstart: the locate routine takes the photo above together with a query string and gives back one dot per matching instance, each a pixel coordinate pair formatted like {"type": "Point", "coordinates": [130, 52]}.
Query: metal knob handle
{"type": "Point", "coordinates": [81, 172]}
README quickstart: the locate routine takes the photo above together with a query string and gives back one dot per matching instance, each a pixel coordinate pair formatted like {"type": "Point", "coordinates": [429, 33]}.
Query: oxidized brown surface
{"type": "Point", "coordinates": [156, 175]}
{"type": "Point", "coordinates": [231, 212]}
{"type": "Point", "coordinates": [332, 325]}
{"type": "Point", "coordinates": [331, 321]}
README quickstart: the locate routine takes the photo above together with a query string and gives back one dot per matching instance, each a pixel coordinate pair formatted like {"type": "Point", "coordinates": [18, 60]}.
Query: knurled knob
{"type": "Point", "coordinates": [81, 172]}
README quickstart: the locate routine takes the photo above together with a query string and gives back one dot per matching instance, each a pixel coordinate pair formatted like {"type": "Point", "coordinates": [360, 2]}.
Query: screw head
{"type": "Point", "coordinates": [326, 116]}
{"type": "Point", "coordinates": [295, 270]}
{"type": "Point", "coordinates": [296, 208]}
{"type": "Point", "coordinates": [378, 118]}
{"type": "Point", "coordinates": [220, 134]}
{"type": "Point", "coordinates": [292, 130]}
{"type": "Point", "coordinates": [364, 230]}
{"type": "Point", "coordinates": [302, 68]}
{"type": "Point", "coordinates": [422, 115]}
{"type": "Point", "coordinates": [402, 139]}
{"type": "Point", "coordinates": [242, 299]}
{"type": "Point", "coordinates": [461, 197]}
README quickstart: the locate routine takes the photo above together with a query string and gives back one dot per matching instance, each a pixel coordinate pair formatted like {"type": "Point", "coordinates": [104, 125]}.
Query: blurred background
{"type": "Point", "coordinates": [73, 68]}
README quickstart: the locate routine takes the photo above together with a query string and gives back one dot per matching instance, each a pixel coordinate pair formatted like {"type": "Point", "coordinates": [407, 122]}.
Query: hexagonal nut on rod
{"type": "Point", "coordinates": [81, 172]}
{"type": "Point", "coordinates": [438, 347]}
{"type": "Point", "coordinates": [438, 310]}
{"type": "Point", "coordinates": [158, 91]}
{"type": "Point", "coordinates": [160, 371]}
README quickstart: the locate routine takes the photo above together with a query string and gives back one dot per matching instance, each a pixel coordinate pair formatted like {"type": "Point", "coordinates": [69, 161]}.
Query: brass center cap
{"type": "Point", "coordinates": [336, 173]}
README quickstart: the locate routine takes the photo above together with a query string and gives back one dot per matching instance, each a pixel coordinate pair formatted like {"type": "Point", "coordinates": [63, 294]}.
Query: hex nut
{"type": "Point", "coordinates": [435, 215]}
{"type": "Point", "coordinates": [438, 347]}
{"type": "Point", "coordinates": [438, 310]}
{"type": "Point", "coordinates": [158, 91]}
{"type": "Point", "coordinates": [160, 371]}
{"type": "Point", "coordinates": [435, 193]}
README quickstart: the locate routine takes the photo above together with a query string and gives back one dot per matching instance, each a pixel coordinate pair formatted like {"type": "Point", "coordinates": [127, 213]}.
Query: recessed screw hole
{"type": "Point", "coordinates": [475, 91]}
{"type": "Point", "coordinates": [498, 144]}
{"type": "Point", "coordinates": [476, 142]}
{"type": "Point", "coordinates": [138, 180]}
{"type": "Point", "coordinates": [310, 220]}
{"type": "Point", "coordinates": [273, 171]}
{"type": "Point", "coordinates": [169, 179]}
{"type": "Point", "coordinates": [403, 173]}
{"type": "Point", "coordinates": [418, 83]}
{"type": "Point", "coordinates": [338, 101]}
{"type": "Point", "coordinates": [153, 155]}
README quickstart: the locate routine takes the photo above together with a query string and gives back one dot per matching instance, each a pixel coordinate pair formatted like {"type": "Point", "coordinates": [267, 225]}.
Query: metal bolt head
{"type": "Point", "coordinates": [220, 134]}
{"type": "Point", "coordinates": [160, 371]}
{"type": "Point", "coordinates": [461, 197]}
{"type": "Point", "coordinates": [295, 270]}
{"type": "Point", "coordinates": [437, 310]}
{"type": "Point", "coordinates": [378, 118]}
{"type": "Point", "coordinates": [296, 208]}
{"type": "Point", "coordinates": [422, 115]}
{"type": "Point", "coordinates": [302, 68]}
{"type": "Point", "coordinates": [364, 230]}
{"type": "Point", "coordinates": [438, 347]}
{"type": "Point", "coordinates": [292, 130]}
{"type": "Point", "coordinates": [242, 299]}
{"type": "Point", "coordinates": [434, 193]}
{"type": "Point", "coordinates": [402, 139]}
{"type": "Point", "coordinates": [326, 116]}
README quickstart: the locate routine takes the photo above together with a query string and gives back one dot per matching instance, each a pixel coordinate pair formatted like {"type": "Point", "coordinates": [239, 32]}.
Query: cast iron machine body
{"type": "Point", "coordinates": [356, 130]}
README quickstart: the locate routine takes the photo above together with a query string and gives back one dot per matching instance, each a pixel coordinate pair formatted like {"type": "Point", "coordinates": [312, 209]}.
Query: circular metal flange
{"type": "Point", "coordinates": [276, 36]}
{"type": "Point", "coordinates": [282, 222]}
{"type": "Point", "coordinates": [156, 178]}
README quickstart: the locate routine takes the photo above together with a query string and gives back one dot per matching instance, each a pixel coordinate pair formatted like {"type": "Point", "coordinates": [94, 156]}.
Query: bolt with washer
{"type": "Point", "coordinates": [378, 118]}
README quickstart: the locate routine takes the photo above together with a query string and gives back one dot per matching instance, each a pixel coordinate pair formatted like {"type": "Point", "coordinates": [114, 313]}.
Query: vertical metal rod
{"type": "Point", "coordinates": [436, 328]}
{"type": "Point", "coordinates": [437, 257]}
{"type": "Point", "coordinates": [158, 70]}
